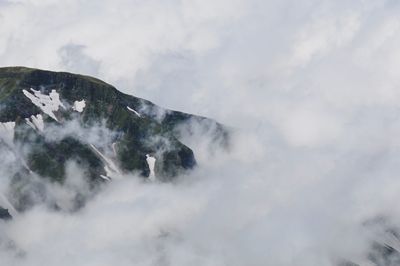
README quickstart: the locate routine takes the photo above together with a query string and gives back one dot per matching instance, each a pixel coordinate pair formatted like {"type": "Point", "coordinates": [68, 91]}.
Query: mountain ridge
{"type": "Point", "coordinates": [53, 118]}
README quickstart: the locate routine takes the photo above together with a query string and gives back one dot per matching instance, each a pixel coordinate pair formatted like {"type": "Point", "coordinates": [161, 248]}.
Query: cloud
{"type": "Point", "coordinates": [311, 88]}
{"type": "Point", "coordinates": [73, 57]}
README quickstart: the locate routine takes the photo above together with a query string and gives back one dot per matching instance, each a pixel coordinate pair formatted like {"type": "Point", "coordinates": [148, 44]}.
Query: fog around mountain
{"type": "Point", "coordinates": [310, 89]}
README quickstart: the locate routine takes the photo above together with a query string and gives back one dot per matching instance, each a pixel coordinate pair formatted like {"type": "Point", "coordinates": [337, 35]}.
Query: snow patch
{"type": "Point", "coordinates": [109, 167]}
{"type": "Point", "coordinates": [79, 106]}
{"type": "Point", "coordinates": [47, 103]}
{"type": "Point", "coordinates": [7, 131]}
{"type": "Point", "coordinates": [151, 162]}
{"type": "Point", "coordinates": [36, 122]}
{"type": "Point", "coordinates": [114, 149]}
{"type": "Point", "coordinates": [105, 177]}
{"type": "Point", "coordinates": [134, 111]}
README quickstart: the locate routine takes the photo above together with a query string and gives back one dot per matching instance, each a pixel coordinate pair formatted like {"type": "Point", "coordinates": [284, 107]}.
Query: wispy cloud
{"type": "Point", "coordinates": [310, 86]}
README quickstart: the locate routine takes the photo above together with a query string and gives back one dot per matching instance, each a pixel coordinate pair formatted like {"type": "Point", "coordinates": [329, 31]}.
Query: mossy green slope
{"type": "Point", "coordinates": [134, 136]}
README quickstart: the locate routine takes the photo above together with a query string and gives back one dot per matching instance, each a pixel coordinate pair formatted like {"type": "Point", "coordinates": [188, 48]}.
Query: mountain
{"type": "Point", "coordinates": [52, 120]}
{"type": "Point", "coordinates": [4, 214]}
{"type": "Point", "coordinates": [383, 249]}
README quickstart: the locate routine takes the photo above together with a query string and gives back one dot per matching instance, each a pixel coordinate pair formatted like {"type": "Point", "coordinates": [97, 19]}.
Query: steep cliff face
{"type": "Point", "coordinates": [50, 119]}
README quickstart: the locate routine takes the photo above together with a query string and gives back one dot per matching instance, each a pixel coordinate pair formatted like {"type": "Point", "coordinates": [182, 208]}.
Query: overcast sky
{"type": "Point", "coordinates": [312, 86]}
{"type": "Point", "coordinates": [226, 59]}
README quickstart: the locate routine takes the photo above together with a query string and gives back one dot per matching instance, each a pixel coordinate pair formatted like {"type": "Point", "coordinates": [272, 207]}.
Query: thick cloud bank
{"type": "Point", "coordinates": [311, 88]}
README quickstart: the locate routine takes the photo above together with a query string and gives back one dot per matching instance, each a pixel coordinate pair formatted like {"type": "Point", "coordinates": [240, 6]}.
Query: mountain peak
{"type": "Point", "coordinates": [50, 119]}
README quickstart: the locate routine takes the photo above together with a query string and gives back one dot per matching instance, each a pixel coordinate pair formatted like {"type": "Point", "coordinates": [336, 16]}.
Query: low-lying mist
{"type": "Point", "coordinates": [258, 202]}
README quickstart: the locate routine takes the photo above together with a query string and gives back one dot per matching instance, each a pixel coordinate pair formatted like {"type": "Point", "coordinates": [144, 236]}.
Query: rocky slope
{"type": "Point", "coordinates": [49, 120]}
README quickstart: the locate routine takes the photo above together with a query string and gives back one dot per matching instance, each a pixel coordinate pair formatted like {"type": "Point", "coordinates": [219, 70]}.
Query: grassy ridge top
{"type": "Point", "coordinates": [20, 71]}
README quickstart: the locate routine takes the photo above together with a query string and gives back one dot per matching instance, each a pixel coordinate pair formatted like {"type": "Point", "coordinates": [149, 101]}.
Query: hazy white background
{"type": "Point", "coordinates": [312, 87]}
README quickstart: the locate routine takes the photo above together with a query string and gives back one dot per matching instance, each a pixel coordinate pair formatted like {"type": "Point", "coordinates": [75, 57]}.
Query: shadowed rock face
{"type": "Point", "coordinates": [4, 214]}
{"type": "Point", "coordinates": [126, 128]}
{"type": "Point", "coordinates": [384, 246]}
